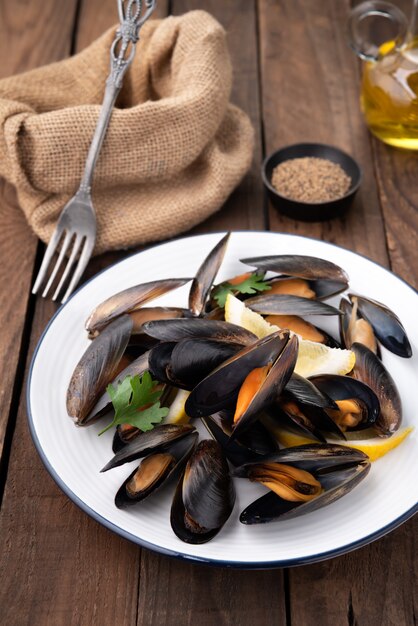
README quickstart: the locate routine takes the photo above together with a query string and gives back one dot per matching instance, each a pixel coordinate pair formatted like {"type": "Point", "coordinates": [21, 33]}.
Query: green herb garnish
{"type": "Point", "coordinates": [250, 285]}
{"type": "Point", "coordinates": [136, 402]}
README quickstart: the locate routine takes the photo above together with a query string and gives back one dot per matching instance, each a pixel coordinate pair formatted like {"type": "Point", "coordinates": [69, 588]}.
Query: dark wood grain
{"type": "Point", "coordinates": [62, 567]}
{"type": "Point", "coordinates": [310, 93]}
{"type": "Point", "coordinates": [195, 594]}
{"type": "Point", "coordinates": [310, 87]}
{"type": "Point", "coordinates": [25, 42]}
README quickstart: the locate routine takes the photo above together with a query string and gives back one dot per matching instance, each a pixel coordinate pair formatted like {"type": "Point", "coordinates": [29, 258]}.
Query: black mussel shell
{"type": "Point", "coordinates": [159, 361]}
{"type": "Point", "coordinates": [129, 300]}
{"type": "Point", "coordinates": [219, 390]}
{"type": "Point", "coordinates": [193, 359]}
{"type": "Point", "coordinates": [308, 267]}
{"type": "Point", "coordinates": [180, 451]}
{"type": "Point", "coordinates": [205, 495]}
{"type": "Point", "coordinates": [176, 330]}
{"type": "Point", "coordinates": [386, 325]}
{"type": "Point", "coordinates": [304, 391]}
{"type": "Point", "coordinates": [253, 443]}
{"type": "Point", "coordinates": [345, 388]}
{"type": "Point", "coordinates": [151, 441]}
{"type": "Point", "coordinates": [276, 417]}
{"type": "Point", "coordinates": [311, 457]}
{"type": "Point", "coordinates": [137, 367]}
{"type": "Point", "coordinates": [337, 482]}
{"type": "Point", "coordinates": [277, 304]}
{"type": "Point", "coordinates": [371, 371]}
{"type": "Point", "coordinates": [202, 283]}
{"type": "Point", "coordinates": [148, 314]}
{"type": "Point", "coordinates": [96, 368]}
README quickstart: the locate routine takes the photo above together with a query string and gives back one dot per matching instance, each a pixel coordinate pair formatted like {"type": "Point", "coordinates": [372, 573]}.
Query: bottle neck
{"type": "Point", "coordinates": [413, 24]}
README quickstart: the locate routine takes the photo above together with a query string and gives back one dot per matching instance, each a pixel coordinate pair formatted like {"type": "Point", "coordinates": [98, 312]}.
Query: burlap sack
{"type": "Point", "coordinates": [175, 148]}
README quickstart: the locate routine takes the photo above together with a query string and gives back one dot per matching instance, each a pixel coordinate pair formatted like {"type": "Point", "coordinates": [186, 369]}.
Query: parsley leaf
{"type": "Point", "coordinates": [136, 402]}
{"type": "Point", "coordinates": [251, 284]}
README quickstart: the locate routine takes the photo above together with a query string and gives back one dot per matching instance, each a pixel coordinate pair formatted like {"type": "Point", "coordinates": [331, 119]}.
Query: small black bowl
{"type": "Point", "coordinates": [311, 211]}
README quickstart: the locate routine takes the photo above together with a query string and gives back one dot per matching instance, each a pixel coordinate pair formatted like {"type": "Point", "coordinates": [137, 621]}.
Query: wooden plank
{"type": "Point", "coordinates": [25, 43]}
{"type": "Point", "coordinates": [244, 209]}
{"type": "Point", "coordinates": [397, 175]}
{"type": "Point", "coordinates": [310, 93]}
{"type": "Point", "coordinates": [175, 593]}
{"type": "Point", "coordinates": [62, 567]}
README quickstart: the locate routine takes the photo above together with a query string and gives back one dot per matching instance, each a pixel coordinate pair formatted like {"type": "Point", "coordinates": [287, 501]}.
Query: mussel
{"type": "Point", "coordinates": [267, 304]}
{"type": "Point", "coordinates": [205, 276]}
{"type": "Point", "coordinates": [154, 471]}
{"type": "Point", "coordinates": [175, 330]}
{"type": "Point", "coordinates": [370, 370]}
{"type": "Point", "coordinates": [302, 479]}
{"type": "Point", "coordinates": [148, 442]}
{"type": "Point", "coordinates": [97, 368]}
{"type": "Point", "coordinates": [316, 275]}
{"type": "Point", "coordinates": [205, 495]}
{"type": "Point", "coordinates": [248, 381]}
{"type": "Point", "coordinates": [355, 329]}
{"type": "Point", "coordinates": [386, 325]}
{"type": "Point", "coordinates": [128, 301]}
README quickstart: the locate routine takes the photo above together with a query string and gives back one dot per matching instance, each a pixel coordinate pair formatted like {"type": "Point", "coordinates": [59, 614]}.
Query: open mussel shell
{"type": "Point", "coordinates": [202, 283]}
{"type": "Point", "coordinates": [276, 418]}
{"type": "Point", "coordinates": [355, 329]}
{"type": "Point", "coordinates": [310, 457]}
{"type": "Point", "coordinates": [253, 443]}
{"type": "Point", "coordinates": [151, 441]}
{"type": "Point", "coordinates": [137, 367]}
{"type": "Point", "coordinates": [219, 390]}
{"type": "Point", "coordinates": [324, 278]}
{"type": "Point", "coordinates": [96, 368]}
{"type": "Point", "coordinates": [289, 305]}
{"type": "Point", "coordinates": [346, 388]}
{"type": "Point", "coordinates": [275, 381]}
{"type": "Point", "coordinates": [335, 481]}
{"type": "Point", "coordinates": [175, 330]}
{"type": "Point", "coordinates": [205, 495]}
{"type": "Point", "coordinates": [371, 371]}
{"type": "Point", "coordinates": [386, 325]}
{"type": "Point", "coordinates": [129, 300]}
{"type": "Point", "coordinates": [154, 471]}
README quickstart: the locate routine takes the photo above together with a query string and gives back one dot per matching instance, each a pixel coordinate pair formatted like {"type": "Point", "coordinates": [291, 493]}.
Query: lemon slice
{"type": "Point", "coordinates": [237, 313]}
{"type": "Point", "coordinates": [313, 358]}
{"type": "Point", "coordinates": [378, 447]}
{"type": "Point", "coordinates": [177, 413]}
{"type": "Point", "coordinates": [375, 447]}
{"type": "Point", "coordinates": [316, 358]}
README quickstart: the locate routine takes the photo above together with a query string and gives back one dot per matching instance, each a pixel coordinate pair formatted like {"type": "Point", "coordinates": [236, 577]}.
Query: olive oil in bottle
{"type": "Point", "coordinates": [389, 95]}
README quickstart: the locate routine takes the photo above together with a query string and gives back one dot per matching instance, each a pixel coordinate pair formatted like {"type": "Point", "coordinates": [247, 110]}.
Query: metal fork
{"type": "Point", "coordinates": [77, 222]}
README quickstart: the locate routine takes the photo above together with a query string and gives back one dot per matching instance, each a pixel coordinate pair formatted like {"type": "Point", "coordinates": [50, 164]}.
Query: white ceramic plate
{"type": "Point", "coordinates": [74, 456]}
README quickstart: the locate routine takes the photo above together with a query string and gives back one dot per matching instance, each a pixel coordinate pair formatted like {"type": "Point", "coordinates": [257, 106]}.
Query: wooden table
{"type": "Point", "coordinates": [296, 77]}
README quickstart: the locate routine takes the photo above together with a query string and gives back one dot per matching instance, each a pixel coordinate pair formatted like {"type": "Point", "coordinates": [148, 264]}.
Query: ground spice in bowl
{"type": "Point", "coordinates": [310, 179]}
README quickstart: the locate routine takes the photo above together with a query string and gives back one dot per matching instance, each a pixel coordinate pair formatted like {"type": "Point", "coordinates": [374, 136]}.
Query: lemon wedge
{"type": "Point", "coordinates": [316, 358]}
{"type": "Point", "coordinates": [375, 447]}
{"type": "Point", "coordinates": [237, 313]}
{"type": "Point", "coordinates": [313, 358]}
{"type": "Point", "coordinates": [177, 413]}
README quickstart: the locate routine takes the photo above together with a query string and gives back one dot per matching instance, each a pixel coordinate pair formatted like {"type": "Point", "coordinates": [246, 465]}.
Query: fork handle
{"type": "Point", "coordinates": [127, 35]}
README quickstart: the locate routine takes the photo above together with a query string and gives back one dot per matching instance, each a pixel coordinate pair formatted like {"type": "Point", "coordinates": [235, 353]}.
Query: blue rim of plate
{"type": "Point", "coordinates": [314, 558]}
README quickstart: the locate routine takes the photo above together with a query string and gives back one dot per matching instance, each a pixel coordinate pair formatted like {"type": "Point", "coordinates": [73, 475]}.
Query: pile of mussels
{"type": "Point", "coordinates": [241, 388]}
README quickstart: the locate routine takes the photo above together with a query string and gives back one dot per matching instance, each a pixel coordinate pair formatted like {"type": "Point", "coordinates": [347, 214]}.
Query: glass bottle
{"type": "Point", "coordinates": [381, 36]}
